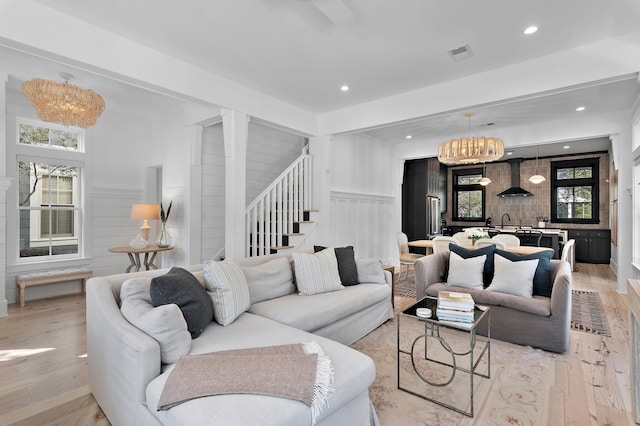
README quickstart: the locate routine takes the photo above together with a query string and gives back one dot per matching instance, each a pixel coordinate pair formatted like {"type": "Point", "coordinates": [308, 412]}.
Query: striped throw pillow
{"type": "Point", "coordinates": [316, 273]}
{"type": "Point", "coordinates": [228, 289]}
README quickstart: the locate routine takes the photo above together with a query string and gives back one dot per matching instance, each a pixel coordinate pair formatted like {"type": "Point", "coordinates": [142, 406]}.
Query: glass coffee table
{"type": "Point", "coordinates": [429, 342]}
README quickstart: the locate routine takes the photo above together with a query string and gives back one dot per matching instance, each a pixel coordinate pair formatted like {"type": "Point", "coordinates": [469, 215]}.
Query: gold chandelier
{"type": "Point", "coordinates": [470, 150]}
{"type": "Point", "coordinates": [63, 103]}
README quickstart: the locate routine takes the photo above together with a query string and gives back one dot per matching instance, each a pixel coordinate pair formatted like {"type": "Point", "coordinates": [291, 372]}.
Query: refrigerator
{"type": "Point", "coordinates": [433, 217]}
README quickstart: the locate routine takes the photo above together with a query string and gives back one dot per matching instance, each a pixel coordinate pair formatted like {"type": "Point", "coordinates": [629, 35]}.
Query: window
{"type": "Point", "coordinates": [575, 191]}
{"type": "Point", "coordinates": [49, 178]}
{"type": "Point", "coordinates": [468, 195]}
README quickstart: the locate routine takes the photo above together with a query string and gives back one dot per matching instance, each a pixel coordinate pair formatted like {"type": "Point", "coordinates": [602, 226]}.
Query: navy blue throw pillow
{"type": "Point", "coordinates": [487, 274]}
{"type": "Point", "coordinates": [542, 283]}
{"type": "Point", "coordinates": [347, 268]}
{"type": "Point", "coordinates": [179, 286]}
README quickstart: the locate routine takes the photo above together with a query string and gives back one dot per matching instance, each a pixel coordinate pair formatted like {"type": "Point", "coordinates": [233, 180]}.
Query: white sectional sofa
{"type": "Point", "coordinates": [126, 374]}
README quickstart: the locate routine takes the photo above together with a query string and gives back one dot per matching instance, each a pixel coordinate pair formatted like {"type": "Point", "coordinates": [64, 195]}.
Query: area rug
{"type": "Point", "coordinates": [586, 306]}
{"type": "Point", "coordinates": [586, 313]}
{"type": "Point", "coordinates": [519, 391]}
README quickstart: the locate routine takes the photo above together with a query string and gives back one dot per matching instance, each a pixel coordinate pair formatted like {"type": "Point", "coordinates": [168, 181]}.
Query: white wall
{"type": "Point", "coordinates": [269, 152]}
{"type": "Point", "coordinates": [361, 195]}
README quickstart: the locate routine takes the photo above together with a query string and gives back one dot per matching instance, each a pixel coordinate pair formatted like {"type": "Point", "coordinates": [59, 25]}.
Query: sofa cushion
{"type": "Point", "coordinates": [487, 275]}
{"type": "Point", "coordinates": [316, 273]}
{"type": "Point", "coordinates": [269, 280]}
{"type": "Point", "coordinates": [346, 264]}
{"type": "Point", "coordinates": [537, 305]}
{"type": "Point", "coordinates": [354, 372]}
{"type": "Point", "coordinates": [311, 313]}
{"type": "Point", "coordinates": [370, 271]}
{"type": "Point", "coordinates": [542, 282]}
{"type": "Point", "coordinates": [165, 323]}
{"type": "Point", "coordinates": [466, 272]}
{"type": "Point", "coordinates": [513, 277]}
{"type": "Point", "coordinates": [228, 289]}
{"type": "Point", "coordinates": [179, 286]}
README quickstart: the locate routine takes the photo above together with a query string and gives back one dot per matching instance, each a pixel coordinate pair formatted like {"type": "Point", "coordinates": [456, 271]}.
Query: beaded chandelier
{"type": "Point", "coordinates": [63, 103]}
{"type": "Point", "coordinates": [470, 150]}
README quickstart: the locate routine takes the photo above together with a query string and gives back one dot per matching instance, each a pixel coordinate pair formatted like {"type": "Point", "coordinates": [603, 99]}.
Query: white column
{"type": "Point", "coordinates": [235, 127]}
{"type": "Point", "coordinates": [320, 149]}
{"type": "Point", "coordinates": [625, 208]}
{"type": "Point", "coordinates": [5, 183]}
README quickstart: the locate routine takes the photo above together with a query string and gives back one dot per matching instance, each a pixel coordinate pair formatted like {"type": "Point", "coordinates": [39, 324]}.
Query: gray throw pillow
{"type": "Point", "coordinates": [269, 280]}
{"type": "Point", "coordinates": [164, 323]}
{"type": "Point", "coordinates": [370, 272]}
{"type": "Point", "coordinates": [179, 286]}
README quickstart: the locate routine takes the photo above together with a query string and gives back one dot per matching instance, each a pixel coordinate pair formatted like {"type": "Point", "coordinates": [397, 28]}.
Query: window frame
{"type": "Point", "coordinates": [50, 155]}
{"type": "Point", "coordinates": [456, 188]}
{"type": "Point", "coordinates": [593, 182]}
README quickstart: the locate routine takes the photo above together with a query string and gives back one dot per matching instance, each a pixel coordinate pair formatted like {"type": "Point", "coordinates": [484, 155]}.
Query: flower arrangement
{"type": "Point", "coordinates": [164, 217]}
{"type": "Point", "coordinates": [475, 234]}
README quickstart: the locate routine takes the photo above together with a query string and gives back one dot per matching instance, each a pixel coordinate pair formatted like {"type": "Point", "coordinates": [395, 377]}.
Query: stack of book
{"type": "Point", "coordinates": [455, 307]}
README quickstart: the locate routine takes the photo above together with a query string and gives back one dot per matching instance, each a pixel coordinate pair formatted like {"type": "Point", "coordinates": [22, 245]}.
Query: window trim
{"type": "Point", "coordinates": [49, 155]}
{"type": "Point", "coordinates": [593, 181]}
{"type": "Point", "coordinates": [473, 187]}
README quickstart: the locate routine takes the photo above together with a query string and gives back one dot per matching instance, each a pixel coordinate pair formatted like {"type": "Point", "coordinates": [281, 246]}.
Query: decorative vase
{"type": "Point", "coordinates": [164, 239]}
{"type": "Point", "coordinates": [138, 242]}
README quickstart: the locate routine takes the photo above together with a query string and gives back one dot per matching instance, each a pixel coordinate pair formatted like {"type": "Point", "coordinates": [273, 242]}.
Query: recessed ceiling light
{"type": "Point", "coordinates": [408, 137]}
{"type": "Point", "coordinates": [566, 147]}
{"type": "Point", "coordinates": [530, 30]}
{"type": "Point", "coordinates": [581, 108]}
{"type": "Point", "coordinates": [344, 88]}
{"type": "Point", "coordinates": [509, 152]}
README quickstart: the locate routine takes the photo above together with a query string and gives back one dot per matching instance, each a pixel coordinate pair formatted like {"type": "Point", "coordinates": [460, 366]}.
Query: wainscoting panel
{"type": "Point", "coordinates": [365, 222]}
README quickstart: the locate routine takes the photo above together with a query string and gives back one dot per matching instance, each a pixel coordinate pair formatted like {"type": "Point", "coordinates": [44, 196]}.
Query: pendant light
{"type": "Point", "coordinates": [536, 179]}
{"type": "Point", "coordinates": [484, 180]}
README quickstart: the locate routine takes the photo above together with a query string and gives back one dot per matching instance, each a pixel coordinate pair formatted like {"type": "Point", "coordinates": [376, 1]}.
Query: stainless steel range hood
{"type": "Point", "coordinates": [515, 190]}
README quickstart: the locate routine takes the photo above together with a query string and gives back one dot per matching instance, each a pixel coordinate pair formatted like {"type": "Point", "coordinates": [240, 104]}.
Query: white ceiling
{"type": "Point", "coordinates": [292, 50]}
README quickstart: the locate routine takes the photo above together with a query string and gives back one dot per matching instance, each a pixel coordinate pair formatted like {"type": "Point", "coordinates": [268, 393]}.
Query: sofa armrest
{"type": "Point", "coordinates": [561, 292]}
{"type": "Point", "coordinates": [430, 269]}
{"type": "Point", "coordinates": [122, 359]}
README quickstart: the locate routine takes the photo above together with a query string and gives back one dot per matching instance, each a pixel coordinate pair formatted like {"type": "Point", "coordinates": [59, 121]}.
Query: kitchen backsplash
{"type": "Point", "coordinates": [525, 211]}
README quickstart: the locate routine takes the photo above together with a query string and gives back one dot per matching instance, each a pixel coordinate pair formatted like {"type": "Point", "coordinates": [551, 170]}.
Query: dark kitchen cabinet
{"type": "Point", "coordinates": [592, 245]}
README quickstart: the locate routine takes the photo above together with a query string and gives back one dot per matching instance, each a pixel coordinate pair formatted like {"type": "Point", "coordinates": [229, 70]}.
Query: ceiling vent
{"type": "Point", "coordinates": [460, 52]}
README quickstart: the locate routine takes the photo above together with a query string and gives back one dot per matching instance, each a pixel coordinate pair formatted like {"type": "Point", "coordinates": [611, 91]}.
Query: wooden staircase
{"type": "Point", "coordinates": [280, 216]}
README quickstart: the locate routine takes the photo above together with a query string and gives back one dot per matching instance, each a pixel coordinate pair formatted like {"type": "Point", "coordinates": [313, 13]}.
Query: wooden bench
{"type": "Point", "coordinates": [49, 277]}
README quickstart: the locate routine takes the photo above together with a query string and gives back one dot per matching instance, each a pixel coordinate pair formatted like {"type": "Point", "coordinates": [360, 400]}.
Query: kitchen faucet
{"type": "Point", "coordinates": [502, 220]}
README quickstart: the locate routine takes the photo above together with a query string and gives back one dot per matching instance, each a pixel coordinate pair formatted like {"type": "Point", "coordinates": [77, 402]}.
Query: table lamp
{"type": "Point", "coordinates": [145, 212]}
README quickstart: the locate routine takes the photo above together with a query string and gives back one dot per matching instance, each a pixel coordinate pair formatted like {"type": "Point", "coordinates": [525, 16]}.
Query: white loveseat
{"type": "Point", "coordinates": [126, 374]}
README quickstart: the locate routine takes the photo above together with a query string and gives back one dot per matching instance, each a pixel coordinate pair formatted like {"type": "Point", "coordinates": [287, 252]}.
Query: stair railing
{"type": "Point", "coordinates": [274, 213]}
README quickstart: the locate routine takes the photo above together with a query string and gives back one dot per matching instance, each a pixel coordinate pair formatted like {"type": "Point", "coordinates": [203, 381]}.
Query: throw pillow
{"type": "Point", "coordinates": [269, 280]}
{"type": "Point", "coordinates": [228, 288]}
{"type": "Point", "coordinates": [542, 282]}
{"type": "Point", "coordinates": [466, 272]}
{"type": "Point", "coordinates": [165, 323]}
{"type": "Point", "coordinates": [347, 268]}
{"type": "Point", "coordinates": [316, 273]}
{"type": "Point", "coordinates": [487, 274]}
{"type": "Point", "coordinates": [370, 271]}
{"type": "Point", "coordinates": [514, 278]}
{"type": "Point", "coordinates": [179, 286]}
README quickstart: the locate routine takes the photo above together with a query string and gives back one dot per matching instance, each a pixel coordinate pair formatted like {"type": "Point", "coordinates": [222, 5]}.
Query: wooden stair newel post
{"type": "Point", "coordinates": [235, 127]}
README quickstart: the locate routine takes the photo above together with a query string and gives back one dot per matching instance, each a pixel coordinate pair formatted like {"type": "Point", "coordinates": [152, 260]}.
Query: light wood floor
{"type": "Point", "coordinates": [43, 366]}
